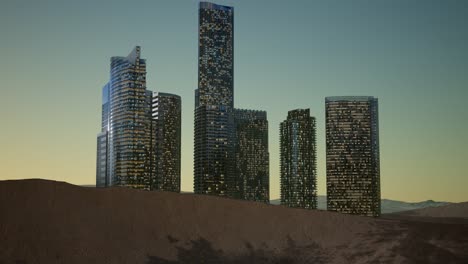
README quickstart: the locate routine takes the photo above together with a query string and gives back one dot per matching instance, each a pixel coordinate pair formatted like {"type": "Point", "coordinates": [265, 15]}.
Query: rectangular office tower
{"type": "Point", "coordinates": [166, 115]}
{"type": "Point", "coordinates": [214, 99]}
{"type": "Point", "coordinates": [251, 156]}
{"type": "Point", "coordinates": [215, 55]}
{"type": "Point", "coordinates": [212, 150]}
{"type": "Point", "coordinates": [129, 122]}
{"type": "Point", "coordinates": [298, 160]}
{"type": "Point", "coordinates": [352, 150]}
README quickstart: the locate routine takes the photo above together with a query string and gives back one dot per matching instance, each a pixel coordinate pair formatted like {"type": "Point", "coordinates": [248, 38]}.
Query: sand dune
{"type": "Point", "coordinates": [53, 222]}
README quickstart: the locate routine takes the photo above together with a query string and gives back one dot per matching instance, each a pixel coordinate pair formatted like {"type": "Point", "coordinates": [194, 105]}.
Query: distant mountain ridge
{"type": "Point", "coordinates": [453, 210]}
{"type": "Point", "coordinates": [388, 206]}
{"type": "Point", "coordinates": [392, 206]}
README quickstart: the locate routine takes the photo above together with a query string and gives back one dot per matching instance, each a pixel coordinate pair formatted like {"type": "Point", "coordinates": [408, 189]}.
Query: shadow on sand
{"type": "Point", "coordinates": [202, 251]}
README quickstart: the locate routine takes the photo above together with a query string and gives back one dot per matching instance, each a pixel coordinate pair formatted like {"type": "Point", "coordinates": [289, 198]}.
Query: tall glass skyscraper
{"type": "Point", "coordinates": [298, 160]}
{"type": "Point", "coordinates": [352, 153]}
{"type": "Point", "coordinates": [215, 55]}
{"type": "Point", "coordinates": [214, 100]}
{"type": "Point", "coordinates": [129, 126]}
{"type": "Point", "coordinates": [251, 156]}
{"type": "Point", "coordinates": [166, 114]}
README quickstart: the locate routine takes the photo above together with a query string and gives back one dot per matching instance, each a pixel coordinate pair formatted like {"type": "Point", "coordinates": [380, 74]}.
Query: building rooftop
{"type": "Point", "coordinates": [299, 114]}
{"type": "Point", "coordinates": [208, 5]}
{"type": "Point", "coordinates": [349, 98]}
{"type": "Point", "coordinates": [132, 57]}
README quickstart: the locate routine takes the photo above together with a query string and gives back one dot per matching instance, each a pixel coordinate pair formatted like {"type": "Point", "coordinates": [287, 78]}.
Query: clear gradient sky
{"type": "Point", "coordinates": [412, 55]}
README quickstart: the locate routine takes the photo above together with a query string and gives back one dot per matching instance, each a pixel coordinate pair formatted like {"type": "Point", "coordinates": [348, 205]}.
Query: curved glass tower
{"type": "Point", "coordinates": [129, 123]}
{"type": "Point", "coordinates": [166, 114]}
{"type": "Point", "coordinates": [298, 160]}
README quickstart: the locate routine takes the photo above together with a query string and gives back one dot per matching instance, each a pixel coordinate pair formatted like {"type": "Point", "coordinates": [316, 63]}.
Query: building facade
{"type": "Point", "coordinates": [212, 150]}
{"type": "Point", "coordinates": [251, 156]}
{"type": "Point", "coordinates": [102, 157]}
{"type": "Point", "coordinates": [352, 154]}
{"type": "Point", "coordinates": [166, 115]}
{"type": "Point", "coordinates": [215, 55]}
{"type": "Point", "coordinates": [214, 100]}
{"type": "Point", "coordinates": [298, 160]}
{"type": "Point", "coordinates": [102, 160]}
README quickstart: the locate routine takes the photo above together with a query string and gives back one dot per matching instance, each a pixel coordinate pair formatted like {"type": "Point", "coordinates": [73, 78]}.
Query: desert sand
{"type": "Point", "coordinates": [54, 222]}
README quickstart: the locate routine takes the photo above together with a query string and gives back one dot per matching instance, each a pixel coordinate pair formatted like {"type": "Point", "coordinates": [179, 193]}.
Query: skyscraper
{"type": "Point", "coordinates": [352, 150]}
{"type": "Point", "coordinates": [102, 157]}
{"type": "Point", "coordinates": [214, 99]}
{"type": "Point", "coordinates": [139, 144]}
{"type": "Point", "coordinates": [211, 151]}
{"type": "Point", "coordinates": [251, 162]}
{"type": "Point", "coordinates": [298, 160]}
{"type": "Point", "coordinates": [129, 125]}
{"type": "Point", "coordinates": [215, 55]}
{"type": "Point", "coordinates": [166, 113]}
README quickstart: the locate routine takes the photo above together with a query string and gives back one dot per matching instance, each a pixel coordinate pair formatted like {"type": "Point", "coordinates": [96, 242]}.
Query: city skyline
{"type": "Point", "coordinates": [421, 89]}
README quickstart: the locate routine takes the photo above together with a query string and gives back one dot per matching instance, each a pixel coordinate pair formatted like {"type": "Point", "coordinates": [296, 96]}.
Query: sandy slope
{"type": "Point", "coordinates": [53, 222]}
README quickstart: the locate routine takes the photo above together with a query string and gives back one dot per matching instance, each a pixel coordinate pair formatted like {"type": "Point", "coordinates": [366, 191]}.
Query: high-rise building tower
{"type": "Point", "coordinates": [214, 99]}
{"type": "Point", "coordinates": [129, 125]}
{"type": "Point", "coordinates": [166, 114]}
{"type": "Point", "coordinates": [352, 149]}
{"type": "Point", "coordinates": [215, 55]}
{"type": "Point", "coordinates": [102, 169]}
{"type": "Point", "coordinates": [251, 162]}
{"type": "Point", "coordinates": [298, 160]}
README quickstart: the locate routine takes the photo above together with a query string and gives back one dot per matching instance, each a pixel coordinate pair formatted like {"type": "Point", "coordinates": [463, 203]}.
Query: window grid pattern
{"type": "Point", "coordinates": [352, 155]}
{"type": "Point", "coordinates": [216, 55]}
{"type": "Point", "coordinates": [298, 160]}
{"type": "Point", "coordinates": [251, 168]}
{"type": "Point", "coordinates": [211, 152]}
{"type": "Point", "coordinates": [214, 99]}
{"type": "Point", "coordinates": [166, 114]}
